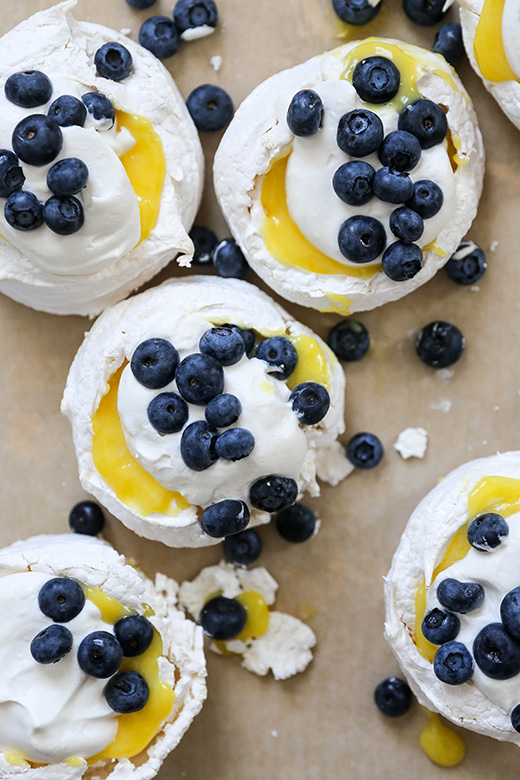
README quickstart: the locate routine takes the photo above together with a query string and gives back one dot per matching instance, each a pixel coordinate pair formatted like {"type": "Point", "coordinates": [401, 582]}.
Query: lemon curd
{"type": "Point", "coordinates": [488, 46]}
{"type": "Point", "coordinates": [441, 744]}
{"type": "Point", "coordinates": [257, 621]}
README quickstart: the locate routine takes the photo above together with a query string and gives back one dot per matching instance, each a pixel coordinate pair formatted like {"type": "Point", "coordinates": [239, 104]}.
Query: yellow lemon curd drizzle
{"type": "Point", "coordinates": [339, 304]}
{"type": "Point", "coordinates": [145, 166]}
{"type": "Point", "coordinates": [488, 45]}
{"type": "Point", "coordinates": [257, 621]}
{"type": "Point", "coordinates": [113, 460]}
{"type": "Point", "coordinates": [441, 744]}
{"type": "Point", "coordinates": [312, 365]}
{"type": "Point", "coordinates": [13, 759]}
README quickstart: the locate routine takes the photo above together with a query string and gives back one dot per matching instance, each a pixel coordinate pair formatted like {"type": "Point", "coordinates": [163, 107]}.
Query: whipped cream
{"type": "Point", "coordinates": [511, 34]}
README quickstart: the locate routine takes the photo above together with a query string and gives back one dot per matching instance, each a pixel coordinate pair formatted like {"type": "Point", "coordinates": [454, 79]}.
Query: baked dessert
{"type": "Point", "coordinates": [100, 166]}
{"type": "Point", "coordinates": [200, 406]}
{"type": "Point", "coordinates": [102, 673]}
{"type": "Point", "coordinates": [349, 180]}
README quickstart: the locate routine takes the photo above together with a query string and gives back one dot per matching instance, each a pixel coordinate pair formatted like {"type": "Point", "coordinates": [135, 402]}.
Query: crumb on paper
{"type": "Point", "coordinates": [442, 405]}
{"type": "Point", "coordinates": [474, 288]}
{"type": "Point", "coordinates": [274, 733]}
{"type": "Point", "coordinates": [444, 373]}
{"type": "Point", "coordinates": [216, 62]}
{"type": "Point", "coordinates": [484, 442]}
{"type": "Point", "coordinates": [412, 443]}
{"type": "Point", "coordinates": [126, 31]}
{"type": "Point", "coordinates": [493, 246]}
{"type": "Point", "coordinates": [496, 408]}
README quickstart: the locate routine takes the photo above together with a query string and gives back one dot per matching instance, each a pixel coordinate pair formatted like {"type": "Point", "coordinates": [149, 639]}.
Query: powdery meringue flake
{"type": "Point", "coordinates": [412, 443]}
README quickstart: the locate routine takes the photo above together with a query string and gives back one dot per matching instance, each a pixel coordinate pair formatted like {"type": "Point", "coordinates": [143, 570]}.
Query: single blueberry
{"type": "Point", "coordinates": [273, 493]}
{"type": "Point", "coordinates": [461, 597]}
{"type": "Point", "coordinates": [64, 216]}
{"type": "Point", "coordinates": [134, 633]}
{"type": "Point", "coordinates": [154, 363]}
{"type": "Point", "coordinates": [225, 518]}
{"type": "Point", "coordinates": [393, 697]}
{"type": "Point", "coordinates": [23, 211]}
{"type": "Point", "coordinates": [392, 186]}
{"type": "Point", "coordinates": [204, 243]}
{"type": "Point", "coordinates": [11, 174]}
{"type": "Point", "coordinates": [406, 224]}
{"type": "Point", "coordinates": [100, 654]}
{"type": "Point", "coordinates": [190, 14]}
{"type": "Point", "coordinates": [425, 120]}
{"type": "Point", "coordinates": [296, 524]}
{"type": "Point", "coordinates": [364, 450]}
{"type": "Point", "coordinates": [360, 133]}
{"type": "Point", "coordinates": [235, 444]}
{"type": "Point", "coordinates": [222, 618]}
{"type": "Point", "coordinates": [28, 89]}
{"type": "Point", "coordinates": [453, 663]}
{"type": "Point", "coordinates": [67, 177]}
{"type": "Point", "coordinates": [427, 198]}
{"type": "Point", "coordinates": [100, 110]}
{"type": "Point", "coordinates": [510, 612]}
{"type": "Point", "coordinates": [199, 378]}
{"type": "Point", "coordinates": [440, 627]}
{"type": "Point", "coordinates": [305, 113]}
{"type": "Point", "coordinates": [349, 340]}
{"type": "Point", "coordinates": [467, 265]}
{"type": "Point", "coordinates": [310, 402]}
{"type": "Point", "coordinates": [352, 182]}
{"type": "Point", "coordinates": [424, 12]}
{"type": "Point", "coordinates": [487, 531]}
{"type": "Point", "coordinates": [52, 644]}
{"type": "Point", "coordinates": [440, 344]}
{"type": "Point", "coordinates": [160, 35]}
{"type": "Point", "coordinates": [127, 692]}
{"type": "Point", "coordinates": [223, 410]}
{"type": "Point", "coordinates": [224, 344]}
{"type": "Point", "coordinates": [68, 110]}
{"type": "Point", "coordinates": [356, 12]}
{"type": "Point", "coordinates": [168, 413]}
{"type": "Point", "coordinates": [198, 445]}
{"type": "Point", "coordinates": [496, 652]}
{"type": "Point", "coordinates": [86, 517]}
{"type": "Point", "coordinates": [243, 548]}
{"type": "Point", "coordinates": [515, 718]}
{"type": "Point", "coordinates": [210, 107]}
{"type": "Point", "coordinates": [113, 61]}
{"type": "Point", "coordinates": [402, 261]}
{"type": "Point", "coordinates": [229, 260]}
{"type": "Point", "coordinates": [279, 353]}
{"type": "Point", "coordinates": [141, 4]}
{"type": "Point", "coordinates": [248, 336]}
{"type": "Point", "coordinates": [361, 239]}
{"type": "Point", "coordinates": [37, 139]}
{"type": "Point", "coordinates": [448, 42]}
{"type": "Point", "coordinates": [376, 79]}
{"type": "Point", "coordinates": [400, 151]}
{"type": "Point", "coordinates": [61, 599]}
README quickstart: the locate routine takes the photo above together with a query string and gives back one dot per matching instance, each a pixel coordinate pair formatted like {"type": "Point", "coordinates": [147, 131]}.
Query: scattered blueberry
{"type": "Point", "coordinates": [224, 344]}
{"type": "Point", "coordinates": [127, 692]}
{"type": "Point", "coordinates": [448, 42]}
{"type": "Point", "coordinates": [427, 198]}
{"type": "Point", "coordinates": [453, 663]}
{"type": "Point", "coordinates": [496, 652]}
{"type": "Point", "coordinates": [154, 363]}
{"type": "Point", "coordinates": [51, 644]}
{"type": "Point", "coordinates": [360, 133]}
{"type": "Point", "coordinates": [225, 518]}
{"type": "Point", "coordinates": [349, 340]}
{"type": "Point", "coordinates": [510, 612]}
{"type": "Point", "coordinates": [37, 139]}
{"type": "Point", "coordinates": [356, 12]}
{"type": "Point", "coordinates": [297, 523]}
{"type": "Point", "coordinates": [23, 211]}
{"type": "Point", "coordinates": [100, 109]}
{"type": "Point", "coordinates": [204, 242]}
{"type": "Point", "coordinates": [461, 597]}
{"type": "Point", "coordinates": [364, 451]}
{"type": "Point", "coordinates": [406, 224]}
{"type": "Point", "coordinates": [86, 517]}
{"type": "Point", "coordinates": [392, 186]}
{"type": "Point", "coordinates": [67, 177]}
{"type": "Point", "coordinates": [235, 444]}
{"type": "Point", "coordinates": [28, 89]}
{"type": "Point", "coordinates": [352, 182]}
{"type": "Point", "coordinates": [198, 445]}
{"type": "Point", "coordinates": [515, 718]}
{"type": "Point", "coordinates": [278, 352]}
{"type": "Point", "coordinates": [199, 378]}
{"type": "Point", "coordinates": [243, 548]}
{"type": "Point", "coordinates": [160, 35]}
{"type": "Point", "coordinates": [376, 79]}
{"type": "Point", "coordinates": [400, 151]}
{"type": "Point", "coordinates": [64, 216]}
{"type": "Point", "coordinates": [393, 697]}
{"type": "Point", "coordinates": [467, 265]}
{"type": "Point", "coordinates": [440, 344]}
{"type": "Point", "coordinates": [68, 110]}
{"type": "Point", "coordinates": [11, 174]}
{"type": "Point", "coordinates": [61, 599]}
{"type": "Point", "coordinates": [223, 410]}
{"type": "Point", "coordinates": [229, 260]}
{"type": "Point", "coordinates": [140, 3]}
{"type": "Point", "coordinates": [440, 627]}
{"type": "Point", "coordinates": [113, 61]}
{"type": "Point", "coordinates": [134, 633]}
{"type": "Point", "coordinates": [310, 402]}
{"type": "Point", "coordinates": [273, 493]}
{"type": "Point", "coordinates": [100, 654]}
{"type": "Point", "coordinates": [222, 618]}
{"type": "Point", "coordinates": [425, 120]}
{"type": "Point", "coordinates": [168, 413]}
{"type": "Point", "coordinates": [361, 239]}
{"type": "Point", "coordinates": [305, 113]}
{"type": "Point", "coordinates": [210, 107]}
{"type": "Point", "coordinates": [402, 261]}
{"type": "Point", "coordinates": [487, 531]}
{"type": "Point", "coordinates": [190, 14]}
{"type": "Point", "coordinates": [424, 12]}
{"type": "Point", "coordinates": [248, 336]}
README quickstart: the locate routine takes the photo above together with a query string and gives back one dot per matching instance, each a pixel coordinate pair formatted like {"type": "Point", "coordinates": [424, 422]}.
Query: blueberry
{"type": "Point", "coordinates": [154, 363]}
{"type": "Point", "coordinates": [225, 518]}
{"type": "Point", "coordinates": [86, 517]}
{"type": "Point", "coordinates": [305, 113]}
{"type": "Point", "coordinates": [459, 596]}
{"type": "Point", "coordinates": [278, 352]}
{"type": "Point", "coordinates": [189, 14]}
{"type": "Point", "coordinates": [224, 344]}
{"type": "Point", "coordinates": [297, 523]}
{"type": "Point", "coordinates": [28, 89]}
{"type": "Point", "coordinates": [364, 451]}
{"type": "Point", "coordinates": [127, 692]}
{"type": "Point", "coordinates": [160, 35]}
{"type": "Point", "coordinates": [400, 151]}
{"type": "Point", "coordinates": [376, 79]}
{"type": "Point", "coordinates": [402, 261]}
{"type": "Point", "coordinates": [496, 652]}
{"type": "Point", "coordinates": [229, 260]}
{"type": "Point", "coordinates": [235, 444]}
{"type": "Point", "coordinates": [392, 186]}
{"type": "Point", "coordinates": [168, 413]}
{"type": "Point", "coordinates": [425, 120]}
{"type": "Point", "coordinates": [198, 445]}
{"type": "Point", "coordinates": [210, 107]}
{"type": "Point", "coordinates": [222, 618]}
{"type": "Point", "coordinates": [141, 4]}
{"type": "Point", "coordinates": [440, 344]}
{"type": "Point", "coordinates": [11, 174]}
{"type": "Point", "coordinates": [467, 265]}
{"type": "Point", "coordinates": [113, 61]}
{"type": "Point", "coordinates": [248, 336]}
{"type": "Point", "coordinates": [310, 402]}
{"type": "Point", "coordinates": [453, 663]}
{"type": "Point", "coordinates": [440, 627]}
{"type": "Point", "coordinates": [204, 242]}
{"type": "Point", "coordinates": [100, 654]}
{"type": "Point", "coordinates": [23, 211]}
{"type": "Point", "coordinates": [273, 493]}
{"type": "Point", "coordinates": [67, 110]}
{"type": "Point", "coordinates": [199, 378]}
{"type": "Point", "coordinates": [349, 340]}
{"type": "Point", "coordinates": [448, 42]}
{"type": "Point", "coordinates": [64, 216]}
{"type": "Point", "coordinates": [393, 697]}
{"type": "Point", "coordinates": [510, 612]}
{"type": "Point", "coordinates": [37, 139]}
{"type": "Point", "coordinates": [243, 548]}
{"type": "Point", "coordinates": [223, 410]}
{"type": "Point", "coordinates": [67, 177]}
{"type": "Point", "coordinates": [361, 239]}
{"type": "Point", "coordinates": [51, 644]}
{"type": "Point", "coordinates": [352, 182]}
{"type": "Point", "coordinates": [356, 11]}
{"type": "Point", "coordinates": [61, 599]}
{"type": "Point", "coordinates": [134, 633]}
{"type": "Point", "coordinates": [487, 531]}
{"type": "Point", "coordinates": [360, 133]}
{"type": "Point", "coordinates": [427, 198]}
{"type": "Point", "coordinates": [100, 109]}
{"type": "Point", "coordinates": [424, 12]}
{"type": "Point", "coordinates": [406, 224]}
{"type": "Point", "coordinates": [515, 718]}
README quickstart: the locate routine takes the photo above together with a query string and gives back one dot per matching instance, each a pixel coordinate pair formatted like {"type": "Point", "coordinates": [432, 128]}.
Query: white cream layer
{"type": "Point", "coordinates": [511, 33]}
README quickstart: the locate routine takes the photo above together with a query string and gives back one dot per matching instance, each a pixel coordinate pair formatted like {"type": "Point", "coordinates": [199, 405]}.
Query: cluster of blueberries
{"type": "Point", "coordinates": [200, 380]}
{"type": "Point", "coordinates": [100, 653]}
{"type": "Point", "coordinates": [422, 124]}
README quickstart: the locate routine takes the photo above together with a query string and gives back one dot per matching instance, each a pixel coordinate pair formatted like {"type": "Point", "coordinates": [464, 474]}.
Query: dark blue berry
{"type": "Point", "coordinates": [356, 11]}
{"type": "Point", "coordinates": [448, 42]}
{"type": "Point", "coordinates": [424, 12]}
{"type": "Point", "coordinates": [392, 186]}
{"type": "Point", "coordinates": [198, 445]}
{"type": "Point", "coordinates": [376, 79]}
{"type": "Point", "coordinates": [361, 239]}
{"type": "Point", "coordinates": [51, 644]}
{"type": "Point", "coordinates": [296, 524]}
{"type": "Point", "coordinates": [86, 517]}
{"type": "Point", "coordinates": [222, 618]}
{"type": "Point", "coordinates": [279, 353]}
{"type": "Point", "coordinates": [440, 344]}
{"type": "Point", "coordinates": [273, 493]}
{"type": "Point", "coordinates": [141, 4]}
{"type": "Point", "coordinates": [23, 211]}
{"type": "Point", "coordinates": [440, 627]}
{"type": "Point", "coordinates": [243, 548]}
{"type": "Point", "coordinates": [364, 450]}
{"type": "Point", "coordinates": [510, 612]}
{"type": "Point", "coordinates": [28, 89]}
{"type": "Point", "coordinates": [400, 151]}
{"type": "Point", "coordinates": [223, 410]}
{"type": "Point", "coordinates": [393, 697]}
{"type": "Point", "coordinates": [204, 243]}
{"type": "Point", "coordinates": [67, 177]}
{"type": "Point", "coordinates": [168, 413]}
{"type": "Point", "coordinates": [100, 654]}
{"type": "Point", "coordinates": [407, 225]}
{"type": "Point", "coordinates": [453, 663]}
{"type": "Point", "coordinates": [425, 120]}
{"type": "Point", "coordinates": [225, 518]}
{"type": "Point", "coordinates": [154, 363]}
{"type": "Point", "coordinates": [305, 113]}
{"type": "Point", "coordinates": [134, 633]}
{"type": "Point", "coordinates": [64, 216]}
{"type": "Point", "coordinates": [248, 336]}
{"type": "Point", "coordinates": [461, 597]}
{"type": "Point", "coordinates": [127, 692]}
{"type": "Point", "coordinates": [427, 198]}
{"type": "Point", "coordinates": [100, 109]}
{"type": "Point", "coordinates": [189, 14]}
{"type": "Point", "coordinates": [160, 35]}
{"type": "Point", "coordinates": [349, 340]}
{"type": "Point", "coordinates": [496, 652]}
{"type": "Point", "coordinates": [487, 531]}
{"type": "Point", "coordinates": [37, 139]}
{"type": "Point", "coordinates": [402, 261]}
{"type": "Point", "coordinates": [467, 265]}
{"type": "Point", "coordinates": [68, 110]}
{"type": "Point", "coordinates": [11, 174]}
{"type": "Point", "coordinates": [360, 133]}
{"type": "Point", "coordinates": [235, 444]}
{"type": "Point", "coordinates": [352, 182]}
{"type": "Point", "coordinates": [61, 599]}
{"type": "Point", "coordinates": [515, 718]}
{"type": "Point", "coordinates": [310, 402]}
{"type": "Point", "coordinates": [210, 107]}
{"type": "Point", "coordinates": [199, 378]}
{"type": "Point", "coordinates": [224, 344]}
{"type": "Point", "coordinates": [113, 61]}
{"type": "Point", "coordinates": [229, 260]}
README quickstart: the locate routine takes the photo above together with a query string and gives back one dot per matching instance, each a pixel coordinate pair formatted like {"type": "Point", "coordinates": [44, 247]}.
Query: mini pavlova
{"type": "Point", "coordinates": [102, 674]}
{"type": "Point", "coordinates": [200, 406]}
{"type": "Point", "coordinates": [349, 180]}
{"type": "Point", "coordinates": [100, 165]}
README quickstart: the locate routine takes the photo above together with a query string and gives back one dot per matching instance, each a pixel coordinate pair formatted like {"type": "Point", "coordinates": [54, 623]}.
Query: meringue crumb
{"type": "Point", "coordinates": [274, 733]}
{"type": "Point", "coordinates": [126, 31]}
{"type": "Point", "coordinates": [216, 62]}
{"type": "Point", "coordinates": [444, 373]}
{"type": "Point", "coordinates": [474, 288]}
{"type": "Point", "coordinates": [442, 405]}
{"type": "Point", "coordinates": [493, 246]}
{"type": "Point", "coordinates": [496, 408]}
{"type": "Point", "coordinates": [484, 442]}
{"type": "Point", "coordinates": [412, 443]}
